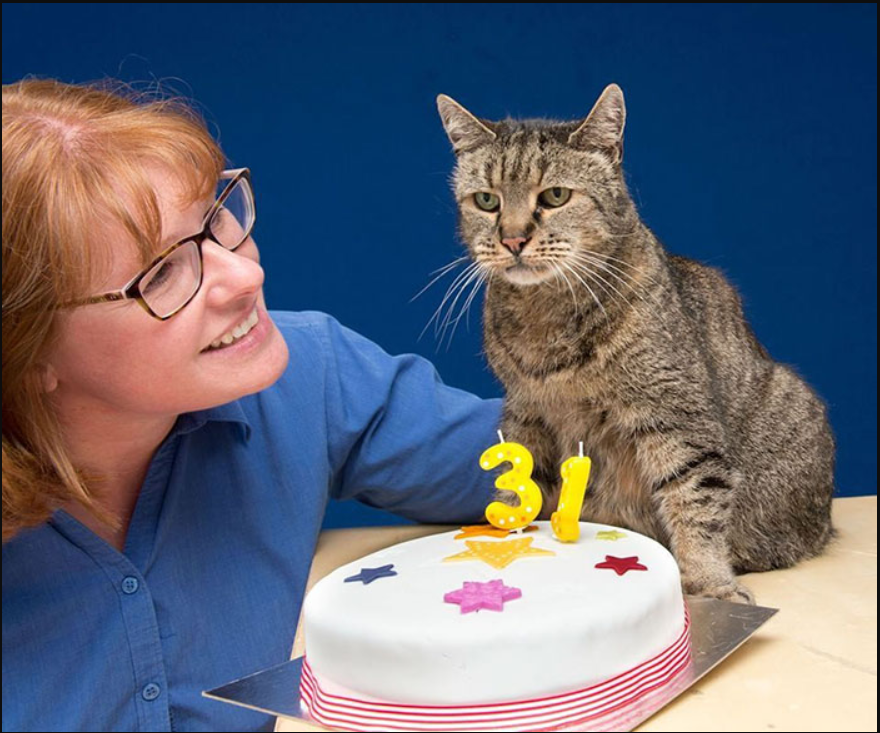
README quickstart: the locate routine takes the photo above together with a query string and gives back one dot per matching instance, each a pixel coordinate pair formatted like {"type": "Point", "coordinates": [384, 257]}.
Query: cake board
{"type": "Point", "coordinates": [718, 628]}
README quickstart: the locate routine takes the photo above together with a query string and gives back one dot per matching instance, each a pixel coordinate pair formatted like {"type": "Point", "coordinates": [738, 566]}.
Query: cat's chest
{"type": "Point", "coordinates": [613, 456]}
{"type": "Point", "coordinates": [618, 493]}
{"type": "Point", "coordinates": [542, 349]}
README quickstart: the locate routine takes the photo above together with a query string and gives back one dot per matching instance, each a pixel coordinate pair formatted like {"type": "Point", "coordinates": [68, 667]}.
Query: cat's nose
{"type": "Point", "coordinates": [515, 244]}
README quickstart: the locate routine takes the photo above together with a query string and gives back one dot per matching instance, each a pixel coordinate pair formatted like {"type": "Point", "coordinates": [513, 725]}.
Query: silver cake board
{"type": "Point", "coordinates": [717, 629]}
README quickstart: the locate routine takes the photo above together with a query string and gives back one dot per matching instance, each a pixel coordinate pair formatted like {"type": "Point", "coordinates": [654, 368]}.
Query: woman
{"type": "Point", "coordinates": [168, 446]}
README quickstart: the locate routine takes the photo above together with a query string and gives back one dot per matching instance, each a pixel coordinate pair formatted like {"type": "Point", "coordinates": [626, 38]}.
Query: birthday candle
{"type": "Point", "coordinates": [518, 479]}
{"type": "Point", "coordinates": [565, 521]}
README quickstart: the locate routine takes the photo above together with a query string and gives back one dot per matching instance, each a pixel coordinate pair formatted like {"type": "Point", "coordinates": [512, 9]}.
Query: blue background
{"type": "Point", "coordinates": [750, 145]}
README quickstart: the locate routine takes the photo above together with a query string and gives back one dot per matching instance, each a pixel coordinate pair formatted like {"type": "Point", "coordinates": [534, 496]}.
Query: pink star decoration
{"type": "Point", "coordinates": [474, 596]}
{"type": "Point", "coordinates": [621, 564]}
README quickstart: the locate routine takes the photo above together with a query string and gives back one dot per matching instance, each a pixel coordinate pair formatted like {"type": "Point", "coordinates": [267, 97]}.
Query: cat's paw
{"type": "Point", "coordinates": [729, 591]}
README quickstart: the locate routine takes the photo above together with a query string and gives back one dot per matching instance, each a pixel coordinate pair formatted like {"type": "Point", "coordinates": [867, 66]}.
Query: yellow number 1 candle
{"type": "Point", "coordinates": [518, 479]}
{"type": "Point", "coordinates": [566, 519]}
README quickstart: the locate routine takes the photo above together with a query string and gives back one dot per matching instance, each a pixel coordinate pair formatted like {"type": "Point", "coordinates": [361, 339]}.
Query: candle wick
{"type": "Point", "coordinates": [500, 436]}
{"type": "Point", "coordinates": [582, 448]}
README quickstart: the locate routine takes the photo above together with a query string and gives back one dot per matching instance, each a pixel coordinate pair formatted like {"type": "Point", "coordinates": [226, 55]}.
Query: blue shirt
{"type": "Point", "coordinates": [210, 583]}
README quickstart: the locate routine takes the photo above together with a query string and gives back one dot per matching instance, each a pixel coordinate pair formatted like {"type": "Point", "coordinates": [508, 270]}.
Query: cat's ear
{"type": "Point", "coordinates": [603, 128]}
{"type": "Point", "coordinates": [465, 131]}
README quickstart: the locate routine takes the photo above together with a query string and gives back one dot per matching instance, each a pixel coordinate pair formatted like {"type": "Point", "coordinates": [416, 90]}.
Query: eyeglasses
{"type": "Point", "coordinates": [172, 280]}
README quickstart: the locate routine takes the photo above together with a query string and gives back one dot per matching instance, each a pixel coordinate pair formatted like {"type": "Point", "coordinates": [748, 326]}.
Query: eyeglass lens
{"type": "Point", "coordinates": [231, 222]}
{"type": "Point", "coordinates": [171, 283]}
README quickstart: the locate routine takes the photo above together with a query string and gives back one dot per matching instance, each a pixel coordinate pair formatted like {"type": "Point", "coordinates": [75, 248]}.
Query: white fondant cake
{"type": "Point", "coordinates": [596, 610]}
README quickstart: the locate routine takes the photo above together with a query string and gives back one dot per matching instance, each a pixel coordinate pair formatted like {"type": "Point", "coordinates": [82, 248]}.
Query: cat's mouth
{"type": "Point", "coordinates": [522, 273]}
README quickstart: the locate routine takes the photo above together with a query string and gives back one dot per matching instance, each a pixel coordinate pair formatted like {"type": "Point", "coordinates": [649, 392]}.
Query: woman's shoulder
{"type": "Point", "coordinates": [323, 355]}
{"type": "Point", "coordinates": [318, 331]}
{"type": "Point", "coordinates": [311, 331]}
{"type": "Point", "coordinates": [297, 321]}
{"type": "Point", "coordinates": [315, 341]}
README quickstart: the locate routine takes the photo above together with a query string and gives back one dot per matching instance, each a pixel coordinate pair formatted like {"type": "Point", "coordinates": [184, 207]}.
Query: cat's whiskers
{"type": "Point", "coordinates": [461, 284]}
{"type": "Point", "coordinates": [465, 309]}
{"type": "Point", "coordinates": [613, 294]}
{"type": "Point", "coordinates": [585, 265]}
{"type": "Point", "coordinates": [588, 262]}
{"type": "Point", "coordinates": [595, 260]}
{"type": "Point", "coordinates": [475, 277]}
{"type": "Point", "coordinates": [461, 277]}
{"type": "Point", "coordinates": [560, 275]}
{"type": "Point", "coordinates": [605, 256]}
{"type": "Point", "coordinates": [442, 324]}
{"type": "Point", "coordinates": [478, 275]}
{"type": "Point", "coordinates": [584, 258]}
{"type": "Point", "coordinates": [600, 260]}
{"type": "Point", "coordinates": [443, 271]}
{"type": "Point", "coordinates": [574, 272]}
{"type": "Point", "coordinates": [581, 263]}
{"type": "Point", "coordinates": [449, 265]}
{"type": "Point", "coordinates": [607, 286]}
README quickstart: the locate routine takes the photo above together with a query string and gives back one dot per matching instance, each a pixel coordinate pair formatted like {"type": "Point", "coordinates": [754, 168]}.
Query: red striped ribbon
{"type": "Point", "coordinates": [603, 704]}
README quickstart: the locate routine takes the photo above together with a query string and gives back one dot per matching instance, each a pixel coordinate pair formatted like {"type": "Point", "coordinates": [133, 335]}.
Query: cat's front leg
{"type": "Point", "coordinates": [694, 499]}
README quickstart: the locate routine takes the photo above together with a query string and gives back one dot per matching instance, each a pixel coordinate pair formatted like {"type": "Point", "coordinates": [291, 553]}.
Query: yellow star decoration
{"type": "Point", "coordinates": [498, 554]}
{"type": "Point", "coordinates": [609, 534]}
{"type": "Point", "coordinates": [487, 530]}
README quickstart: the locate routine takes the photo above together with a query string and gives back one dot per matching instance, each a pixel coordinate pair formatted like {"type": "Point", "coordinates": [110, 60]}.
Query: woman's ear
{"type": "Point", "coordinates": [48, 377]}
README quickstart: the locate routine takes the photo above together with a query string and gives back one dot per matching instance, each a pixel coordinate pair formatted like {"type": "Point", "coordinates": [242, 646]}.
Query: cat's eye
{"type": "Point", "coordinates": [487, 201]}
{"type": "Point", "coordinates": [554, 197]}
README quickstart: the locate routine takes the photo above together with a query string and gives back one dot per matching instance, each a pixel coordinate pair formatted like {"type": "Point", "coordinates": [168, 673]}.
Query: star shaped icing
{"type": "Point", "coordinates": [474, 596]}
{"type": "Point", "coordinates": [498, 554]}
{"type": "Point", "coordinates": [368, 575]}
{"type": "Point", "coordinates": [487, 530]}
{"type": "Point", "coordinates": [609, 534]}
{"type": "Point", "coordinates": [621, 564]}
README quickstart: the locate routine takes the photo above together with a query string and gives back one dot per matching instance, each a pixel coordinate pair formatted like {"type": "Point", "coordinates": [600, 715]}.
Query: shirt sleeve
{"type": "Point", "coordinates": [401, 440]}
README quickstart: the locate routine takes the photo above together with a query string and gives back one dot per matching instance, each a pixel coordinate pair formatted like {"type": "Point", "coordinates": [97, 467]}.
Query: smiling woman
{"type": "Point", "coordinates": [64, 367]}
{"type": "Point", "coordinates": [165, 470]}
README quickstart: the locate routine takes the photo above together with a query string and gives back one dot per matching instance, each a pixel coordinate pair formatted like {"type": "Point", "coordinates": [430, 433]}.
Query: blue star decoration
{"type": "Point", "coordinates": [368, 575]}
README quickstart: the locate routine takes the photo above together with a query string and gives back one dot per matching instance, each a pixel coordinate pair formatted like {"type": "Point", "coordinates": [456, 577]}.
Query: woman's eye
{"type": "Point", "coordinates": [160, 277]}
{"type": "Point", "coordinates": [487, 201]}
{"type": "Point", "coordinates": [221, 220]}
{"type": "Point", "coordinates": [554, 197]}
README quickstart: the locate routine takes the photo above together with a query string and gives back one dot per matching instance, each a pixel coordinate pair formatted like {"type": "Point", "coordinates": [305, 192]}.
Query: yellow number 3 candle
{"type": "Point", "coordinates": [566, 519]}
{"type": "Point", "coordinates": [518, 479]}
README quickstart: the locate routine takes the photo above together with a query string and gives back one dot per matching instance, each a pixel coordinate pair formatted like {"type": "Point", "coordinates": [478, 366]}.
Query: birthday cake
{"type": "Point", "coordinates": [484, 630]}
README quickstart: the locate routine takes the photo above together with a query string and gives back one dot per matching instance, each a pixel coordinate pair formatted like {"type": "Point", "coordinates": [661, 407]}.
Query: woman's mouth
{"type": "Point", "coordinates": [238, 332]}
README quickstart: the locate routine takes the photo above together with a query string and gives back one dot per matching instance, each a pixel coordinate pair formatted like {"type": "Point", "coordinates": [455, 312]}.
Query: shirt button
{"type": "Point", "coordinates": [130, 585]}
{"type": "Point", "coordinates": [151, 692]}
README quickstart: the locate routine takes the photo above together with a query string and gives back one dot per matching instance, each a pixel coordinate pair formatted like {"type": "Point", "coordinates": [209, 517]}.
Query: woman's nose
{"type": "Point", "coordinates": [229, 275]}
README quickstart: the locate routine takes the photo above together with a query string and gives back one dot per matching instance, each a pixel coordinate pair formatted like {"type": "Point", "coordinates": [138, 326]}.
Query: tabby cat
{"type": "Point", "coordinates": [698, 438]}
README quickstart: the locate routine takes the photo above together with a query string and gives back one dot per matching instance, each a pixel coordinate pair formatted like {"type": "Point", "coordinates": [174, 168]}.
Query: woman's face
{"type": "Point", "coordinates": [115, 360]}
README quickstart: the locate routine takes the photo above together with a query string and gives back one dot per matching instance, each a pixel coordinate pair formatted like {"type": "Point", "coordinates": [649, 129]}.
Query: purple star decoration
{"type": "Point", "coordinates": [474, 596]}
{"type": "Point", "coordinates": [368, 575]}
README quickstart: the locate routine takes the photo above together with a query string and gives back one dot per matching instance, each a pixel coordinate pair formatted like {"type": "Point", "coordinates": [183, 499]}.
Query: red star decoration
{"type": "Point", "coordinates": [621, 564]}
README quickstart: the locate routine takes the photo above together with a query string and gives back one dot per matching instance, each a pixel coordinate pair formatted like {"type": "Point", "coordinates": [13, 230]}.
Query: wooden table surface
{"type": "Point", "coordinates": [812, 667]}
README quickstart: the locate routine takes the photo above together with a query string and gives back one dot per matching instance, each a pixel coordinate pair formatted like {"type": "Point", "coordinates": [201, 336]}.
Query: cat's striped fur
{"type": "Point", "coordinates": [698, 438]}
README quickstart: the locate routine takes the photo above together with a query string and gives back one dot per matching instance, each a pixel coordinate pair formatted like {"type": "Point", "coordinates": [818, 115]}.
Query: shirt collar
{"type": "Point", "coordinates": [230, 412]}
